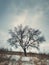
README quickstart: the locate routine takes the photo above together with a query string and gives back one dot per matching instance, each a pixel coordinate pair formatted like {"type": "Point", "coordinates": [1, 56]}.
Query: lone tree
{"type": "Point", "coordinates": [25, 37]}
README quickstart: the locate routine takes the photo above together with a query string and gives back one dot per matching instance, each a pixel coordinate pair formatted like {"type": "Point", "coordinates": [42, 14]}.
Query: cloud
{"type": "Point", "coordinates": [3, 35]}
{"type": "Point", "coordinates": [34, 20]}
{"type": "Point", "coordinates": [26, 18]}
{"type": "Point", "coordinates": [20, 19]}
{"type": "Point", "coordinates": [44, 48]}
{"type": "Point", "coordinates": [3, 40]}
{"type": "Point", "coordinates": [34, 13]}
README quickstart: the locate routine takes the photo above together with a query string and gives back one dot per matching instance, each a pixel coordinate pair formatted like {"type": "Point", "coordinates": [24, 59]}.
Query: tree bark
{"type": "Point", "coordinates": [25, 52]}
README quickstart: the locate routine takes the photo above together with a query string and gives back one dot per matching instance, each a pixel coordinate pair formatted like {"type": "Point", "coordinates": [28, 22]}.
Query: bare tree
{"type": "Point", "coordinates": [25, 37]}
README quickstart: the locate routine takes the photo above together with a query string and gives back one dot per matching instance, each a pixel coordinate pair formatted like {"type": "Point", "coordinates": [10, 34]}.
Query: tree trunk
{"type": "Point", "coordinates": [25, 52]}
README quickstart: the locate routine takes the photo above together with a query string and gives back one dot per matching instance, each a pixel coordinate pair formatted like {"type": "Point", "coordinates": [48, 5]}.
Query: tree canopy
{"type": "Point", "coordinates": [25, 37]}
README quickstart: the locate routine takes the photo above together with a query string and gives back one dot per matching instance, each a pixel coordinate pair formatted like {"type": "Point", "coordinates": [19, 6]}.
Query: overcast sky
{"type": "Point", "coordinates": [34, 13]}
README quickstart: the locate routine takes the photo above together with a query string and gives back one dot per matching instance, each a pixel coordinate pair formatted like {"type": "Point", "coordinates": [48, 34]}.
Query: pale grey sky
{"type": "Point", "coordinates": [34, 13]}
